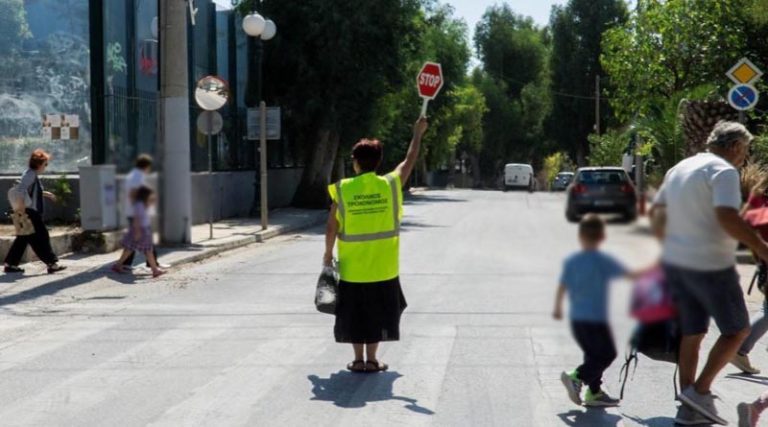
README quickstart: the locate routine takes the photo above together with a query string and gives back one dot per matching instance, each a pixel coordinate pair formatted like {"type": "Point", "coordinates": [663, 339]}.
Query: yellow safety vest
{"type": "Point", "coordinates": [369, 210]}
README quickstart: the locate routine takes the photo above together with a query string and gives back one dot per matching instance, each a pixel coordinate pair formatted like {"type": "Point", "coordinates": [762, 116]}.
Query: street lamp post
{"type": "Point", "coordinates": [262, 30]}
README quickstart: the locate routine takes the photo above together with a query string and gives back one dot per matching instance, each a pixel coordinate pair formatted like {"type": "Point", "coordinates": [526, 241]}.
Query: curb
{"type": "Point", "coordinates": [259, 237]}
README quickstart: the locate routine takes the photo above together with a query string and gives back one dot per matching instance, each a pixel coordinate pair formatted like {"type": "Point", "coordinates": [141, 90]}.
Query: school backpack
{"type": "Point", "coordinates": [657, 335]}
{"type": "Point", "coordinates": [651, 298]}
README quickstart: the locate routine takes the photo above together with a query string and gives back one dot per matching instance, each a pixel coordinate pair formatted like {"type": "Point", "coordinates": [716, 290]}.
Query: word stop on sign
{"type": "Point", "coordinates": [429, 80]}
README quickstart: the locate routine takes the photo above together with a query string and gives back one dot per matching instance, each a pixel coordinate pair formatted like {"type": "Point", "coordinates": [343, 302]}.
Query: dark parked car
{"type": "Point", "coordinates": [601, 190]}
{"type": "Point", "coordinates": [562, 181]}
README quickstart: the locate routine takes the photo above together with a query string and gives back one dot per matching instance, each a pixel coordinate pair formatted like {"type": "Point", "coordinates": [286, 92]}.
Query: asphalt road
{"type": "Point", "coordinates": [236, 341]}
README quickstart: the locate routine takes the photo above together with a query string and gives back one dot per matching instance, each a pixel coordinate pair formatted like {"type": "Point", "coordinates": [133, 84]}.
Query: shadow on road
{"type": "Point", "coordinates": [419, 199]}
{"type": "Point", "coordinates": [748, 378]}
{"type": "Point", "coordinates": [350, 390]}
{"type": "Point", "coordinates": [655, 421]}
{"type": "Point", "coordinates": [592, 417]}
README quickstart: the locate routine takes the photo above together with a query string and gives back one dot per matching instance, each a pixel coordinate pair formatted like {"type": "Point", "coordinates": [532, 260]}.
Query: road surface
{"type": "Point", "coordinates": [236, 341]}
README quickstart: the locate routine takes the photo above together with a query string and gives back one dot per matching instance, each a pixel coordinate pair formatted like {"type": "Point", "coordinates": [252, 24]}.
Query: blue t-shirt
{"type": "Point", "coordinates": [586, 276]}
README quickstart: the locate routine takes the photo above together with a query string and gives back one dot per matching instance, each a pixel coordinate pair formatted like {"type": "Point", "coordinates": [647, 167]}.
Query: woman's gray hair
{"type": "Point", "coordinates": [725, 134]}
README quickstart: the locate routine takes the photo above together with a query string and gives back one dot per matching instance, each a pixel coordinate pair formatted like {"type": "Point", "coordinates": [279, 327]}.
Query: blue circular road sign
{"type": "Point", "coordinates": [743, 97]}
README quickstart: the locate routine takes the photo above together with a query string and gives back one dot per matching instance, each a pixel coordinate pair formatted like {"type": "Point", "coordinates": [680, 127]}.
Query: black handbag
{"type": "Point", "coordinates": [327, 291]}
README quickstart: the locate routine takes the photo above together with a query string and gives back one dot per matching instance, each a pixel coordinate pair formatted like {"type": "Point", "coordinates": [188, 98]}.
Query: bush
{"type": "Point", "coordinates": [607, 149]}
{"type": "Point", "coordinates": [554, 164]}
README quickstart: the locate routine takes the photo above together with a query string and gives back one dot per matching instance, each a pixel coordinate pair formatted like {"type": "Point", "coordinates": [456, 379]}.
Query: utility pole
{"type": "Point", "coordinates": [173, 125]}
{"type": "Point", "coordinates": [597, 104]}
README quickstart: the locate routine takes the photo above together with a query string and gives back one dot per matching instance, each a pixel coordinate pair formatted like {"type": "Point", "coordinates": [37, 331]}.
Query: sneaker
{"type": "Point", "coordinates": [573, 386]}
{"type": "Point", "coordinates": [688, 417]}
{"type": "Point", "coordinates": [742, 362]}
{"type": "Point", "coordinates": [163, 266]}
{"type": "Point", "coordinates": [702, 403]}
{"type": "Point", "coordinates": [600, 400]}
{"type": "Point", "coordinates": [747, 415]}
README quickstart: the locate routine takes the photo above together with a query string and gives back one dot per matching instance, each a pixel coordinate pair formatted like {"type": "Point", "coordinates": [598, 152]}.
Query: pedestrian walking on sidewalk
{"type": "Point", "coordinates": [758, 200]}
{"type": "Point", "coordinates": [30, 190]}
{"type": "Point", "coordinates": [365, 219]}
{"type": "Point", "coordinates": [586, 277]}
{"type": "Point", "coordinates": [138, 238]}
{"type": "Point", "coordinates": [700, 199]}
{"type": "Point", "coordinates": [136, 179]}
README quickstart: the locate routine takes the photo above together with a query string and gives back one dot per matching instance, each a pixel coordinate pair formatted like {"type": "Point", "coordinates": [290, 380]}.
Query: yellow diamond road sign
{"type": "Point", "coordinates": [744, 72]}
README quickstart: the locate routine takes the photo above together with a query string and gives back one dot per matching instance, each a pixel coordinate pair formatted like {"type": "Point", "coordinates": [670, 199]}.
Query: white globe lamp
{"type": "Point", "coordinates": [254, 24]}
{"type": "Point", "coordinates": [270, 29]}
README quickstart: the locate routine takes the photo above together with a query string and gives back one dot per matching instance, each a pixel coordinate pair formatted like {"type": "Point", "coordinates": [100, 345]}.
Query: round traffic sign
{"type": "Point", "coordinates": [743, 97]}
{"type": "Point", "coordinates": [210, 122]}
{"type": "Point", "coordinates": [430, 80]}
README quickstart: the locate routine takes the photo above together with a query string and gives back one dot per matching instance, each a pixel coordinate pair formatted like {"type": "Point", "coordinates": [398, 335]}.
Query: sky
{"type": "Point", "coordinates": [472, 10]}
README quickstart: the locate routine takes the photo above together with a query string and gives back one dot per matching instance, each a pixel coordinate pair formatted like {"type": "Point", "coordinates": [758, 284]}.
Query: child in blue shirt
{"type": "Point", "coordinates": [585, 278]}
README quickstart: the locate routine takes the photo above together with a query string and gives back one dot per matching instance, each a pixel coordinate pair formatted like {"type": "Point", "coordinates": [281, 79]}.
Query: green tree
{"type": "Point", "coordinates": [328, 67]}
{"type": "Point", "coordinates": [510, 47]}
{"type": "Point", "coordinates": [671, 46]}
{"type": "Point", "coordinates": [577, 30]}
{"type": "Point", "coordinates": [442, 39]}
{"type": "Point", "coordinates": [513, 80]}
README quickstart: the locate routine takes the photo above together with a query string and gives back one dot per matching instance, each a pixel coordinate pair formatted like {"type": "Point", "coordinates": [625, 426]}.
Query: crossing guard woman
{"type": "Point", "coordinates": [365, 219]}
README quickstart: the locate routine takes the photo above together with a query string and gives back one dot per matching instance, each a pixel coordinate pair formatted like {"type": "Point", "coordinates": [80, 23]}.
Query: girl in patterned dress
{"type": "Point", "coordinates": [138, 238]}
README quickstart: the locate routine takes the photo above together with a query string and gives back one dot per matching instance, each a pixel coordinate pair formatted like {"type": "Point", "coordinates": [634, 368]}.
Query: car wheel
{"type": "Point", "coordinates": [572, 217]}
{"type": "Point", "coordinates": [630, 216]}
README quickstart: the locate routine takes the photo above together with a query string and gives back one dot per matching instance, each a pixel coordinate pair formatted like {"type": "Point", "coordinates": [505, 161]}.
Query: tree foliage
{"type": "Point", "coordinates": [670, 46]}
{"type": "Point", "coordinates": [577, 30]}
{"type": "Point", "coordinates": [513, 80]}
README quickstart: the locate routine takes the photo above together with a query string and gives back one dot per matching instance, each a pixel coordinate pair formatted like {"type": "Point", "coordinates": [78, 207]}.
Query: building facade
{"type": "Point", "coordinates": [79, 78]}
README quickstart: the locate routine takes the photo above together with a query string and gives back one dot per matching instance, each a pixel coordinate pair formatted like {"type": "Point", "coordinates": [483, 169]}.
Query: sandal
{"type": "Point", "coordinates": [357, 366]}
{"type": "Point", "coordinates": [375, 366]}
{"type": "Point", "coordinates": [117, 268]}
{"type": "Point", "coordinates": [158, 273]}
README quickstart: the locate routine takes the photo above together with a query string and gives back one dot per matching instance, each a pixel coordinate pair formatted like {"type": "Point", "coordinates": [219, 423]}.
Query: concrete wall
{"type": "Point", "coordinates": [232, 194]}
{"type": "Point", "coordinates": [52, 211]}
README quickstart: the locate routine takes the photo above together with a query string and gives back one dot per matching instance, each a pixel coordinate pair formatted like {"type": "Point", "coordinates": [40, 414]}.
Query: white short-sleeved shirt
{"type": "Point", "coordinates": [691, 192]}
{"type": "Point", "coordinates": [133, 181]}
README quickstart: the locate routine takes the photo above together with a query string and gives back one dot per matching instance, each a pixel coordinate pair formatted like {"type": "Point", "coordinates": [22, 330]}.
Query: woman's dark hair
{"type": "Point", "coordinates": [38, 158]}
{"type": "Point", "coordinates": [144, 161]}
{"type": "Point", "coordinates": [143, 194]}
{"type": "Point", "coordinates": [368, 154]}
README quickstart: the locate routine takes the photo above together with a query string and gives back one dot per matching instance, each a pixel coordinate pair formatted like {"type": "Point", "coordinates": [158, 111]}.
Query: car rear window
{"type": "Point", "coordinates": [603, 177]}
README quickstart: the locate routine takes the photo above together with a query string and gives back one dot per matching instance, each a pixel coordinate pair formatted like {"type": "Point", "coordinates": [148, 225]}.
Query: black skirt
{"type": "Point", "coordinates": [367, 313]}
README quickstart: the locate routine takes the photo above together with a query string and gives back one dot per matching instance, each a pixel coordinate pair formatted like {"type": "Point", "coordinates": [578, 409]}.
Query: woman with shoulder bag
{"type": "Point", "coordinates": [31, 191]}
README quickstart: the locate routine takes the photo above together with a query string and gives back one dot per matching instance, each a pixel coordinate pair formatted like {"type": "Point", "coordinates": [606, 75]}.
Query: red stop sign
{"type": "Point", "coordinates": [430, 80]}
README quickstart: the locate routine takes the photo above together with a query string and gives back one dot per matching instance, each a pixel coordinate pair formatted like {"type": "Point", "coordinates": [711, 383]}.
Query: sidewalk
{"type": "Point", "coordinates": [228, 235]}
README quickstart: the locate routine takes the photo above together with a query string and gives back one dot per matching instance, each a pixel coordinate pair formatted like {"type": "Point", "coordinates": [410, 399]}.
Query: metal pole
{"type": "Point", "coordinates": [597, 104]}
{"type": "Point", "coordinates": [263, 165]}
{"type": "Point", "coordinates": [210, 174]}
{"type": "Point", "coordinates": [257, 56]}
{"type": "Point", "coordinates": [640, 182]}
{"type": "Point", "coordinates": [742, 117]}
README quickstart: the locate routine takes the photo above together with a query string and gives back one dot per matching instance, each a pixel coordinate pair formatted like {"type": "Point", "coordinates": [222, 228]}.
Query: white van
{"type": "Point", "coordinates": [519, 176]}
